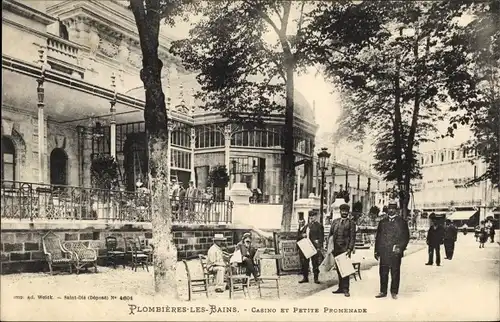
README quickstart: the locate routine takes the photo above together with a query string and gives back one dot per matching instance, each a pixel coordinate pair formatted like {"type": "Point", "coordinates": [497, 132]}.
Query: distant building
{"type": "Point", "coordinates": [446, 170]}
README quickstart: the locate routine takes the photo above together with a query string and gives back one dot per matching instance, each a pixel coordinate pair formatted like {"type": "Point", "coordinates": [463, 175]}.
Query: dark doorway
{"type": "Point", "coordinates": [58, 167]}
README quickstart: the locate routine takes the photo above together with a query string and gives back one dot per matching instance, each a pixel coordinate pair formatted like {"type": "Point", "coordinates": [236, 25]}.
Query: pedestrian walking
{"type": "Point", "coordinates": [314, 230]}
{"type": "Point", "coordinates": [435, 237]}
{"type": "Point", "coordinates": [482, 235]}
{"type": "Point", "coordinates": [391, 241]}
{"type": "Point", "coordinates": [450, 237]}
{"type": "Point", "coordinates": [490, 230]}
{"type": "Point", "coordinates": [464, 229]}
{"type": "Point", "coordinates": [343, 233]}
{"type": "Point", "coordinates": [477, 231]}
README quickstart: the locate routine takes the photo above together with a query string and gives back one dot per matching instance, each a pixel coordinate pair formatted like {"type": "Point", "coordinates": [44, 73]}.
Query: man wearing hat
{"type": "Point", "coordinates": [391, 241]}
{"type": "Point", "coordinates": [315, 231]}
{"type": "Point", "coordinates": [343, 233]}
{"type": "Point", "coordinates": [216, 263]}
{"type": "Point", "coordinates": [435, 237]}
{"type": "Point", "coordinates": [450, 237]}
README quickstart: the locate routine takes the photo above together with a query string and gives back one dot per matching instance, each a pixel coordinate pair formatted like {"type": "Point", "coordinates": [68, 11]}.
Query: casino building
{"type": "Point", "coordinates": [71, 92]}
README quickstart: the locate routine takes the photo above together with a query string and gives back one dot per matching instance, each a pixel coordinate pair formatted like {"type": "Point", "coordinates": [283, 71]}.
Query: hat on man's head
{"type": "Point", "coordinates": [219, 237]}
{"type": "Point", "coordinates": [392, 205]}
{"type": "Point", "coordinates": [301, 216]}
{"type": "Point", "coordinates": [344, 207]}
{"type": "Point", "coordinates": [245, 235]}
{"type": "Point", "coordinates": [432, 215]}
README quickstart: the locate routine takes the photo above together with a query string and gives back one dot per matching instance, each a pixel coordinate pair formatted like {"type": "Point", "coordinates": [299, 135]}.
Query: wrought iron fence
{"type": "Point", "coordinates": [29, 201]}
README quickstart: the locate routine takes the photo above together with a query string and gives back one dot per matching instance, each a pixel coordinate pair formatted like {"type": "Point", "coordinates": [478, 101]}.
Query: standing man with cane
{"type": "Point", "coordinates": [391, 241]}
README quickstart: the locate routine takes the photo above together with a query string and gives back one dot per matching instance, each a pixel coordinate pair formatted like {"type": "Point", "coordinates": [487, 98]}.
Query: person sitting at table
{"type": "Point", "coordinates": [247, 255]}
{"type": "Point", "coordinates": [216, 263]}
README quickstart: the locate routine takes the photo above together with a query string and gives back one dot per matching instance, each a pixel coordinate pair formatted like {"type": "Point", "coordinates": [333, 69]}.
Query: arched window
{"type": "Point", "coordinates": [58, 167]}
{"type": "Point", "coordinates": [8, 160]}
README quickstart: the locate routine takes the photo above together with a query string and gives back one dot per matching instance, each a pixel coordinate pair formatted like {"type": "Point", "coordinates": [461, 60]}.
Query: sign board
{"type": "Point", "coordinates": [285, 243]}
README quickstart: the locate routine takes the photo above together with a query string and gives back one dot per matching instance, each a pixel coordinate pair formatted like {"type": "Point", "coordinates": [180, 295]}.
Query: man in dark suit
{"type": "Point", "coordinates": [450, 237]}
{"type": "Point", "coordinates": [316, 233]}
{"type": "Point", "coordinates": [435, 237]}
{"type": "Point", "coordinates": [391, 241]}
{"type": "Point", "coordinates": [343, 232]}
{"type": "Point", "coordinates": [304, 262]}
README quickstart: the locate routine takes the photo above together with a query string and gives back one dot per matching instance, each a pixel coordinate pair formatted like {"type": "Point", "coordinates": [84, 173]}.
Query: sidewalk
{"type": "Point", "coordinates": [466, 288]}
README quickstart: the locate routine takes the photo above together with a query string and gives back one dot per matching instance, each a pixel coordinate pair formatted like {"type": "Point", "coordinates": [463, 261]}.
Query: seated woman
{"type": "Point", "coordinates": [247, 255]}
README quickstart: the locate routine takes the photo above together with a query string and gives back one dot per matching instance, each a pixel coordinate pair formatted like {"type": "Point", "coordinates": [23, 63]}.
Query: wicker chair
{"type": "Point", "coordinates": [55, 253]}
{"type": "Point", "coordinates": [84, 256]}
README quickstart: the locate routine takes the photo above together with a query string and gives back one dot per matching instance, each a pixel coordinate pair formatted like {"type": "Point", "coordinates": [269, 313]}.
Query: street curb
{"type": "Point", "coordinates": [366, 265]}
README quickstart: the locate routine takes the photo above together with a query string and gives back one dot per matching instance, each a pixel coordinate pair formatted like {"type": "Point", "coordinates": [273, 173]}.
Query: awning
{"type": "Point", "coordinates": [462, 215]}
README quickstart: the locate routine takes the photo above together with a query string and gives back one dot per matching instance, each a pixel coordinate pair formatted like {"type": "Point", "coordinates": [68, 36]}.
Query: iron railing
{"type": "Point", "coordinates": [30, 201]}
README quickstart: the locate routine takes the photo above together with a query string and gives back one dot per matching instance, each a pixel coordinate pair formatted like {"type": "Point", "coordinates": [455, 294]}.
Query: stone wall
{"type": "Point", "coordinates": [22, 249]}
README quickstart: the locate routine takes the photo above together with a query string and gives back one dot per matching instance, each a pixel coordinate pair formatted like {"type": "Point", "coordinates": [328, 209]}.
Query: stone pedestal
{"type": "Point", "coordinates": [304, 205]}
{"type": "Point", "coordinates": [240, 196]}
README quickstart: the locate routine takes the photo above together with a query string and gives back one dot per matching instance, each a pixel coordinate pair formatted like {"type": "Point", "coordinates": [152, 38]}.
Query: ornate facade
{"type": "Point", "coordinates": [83, 59]}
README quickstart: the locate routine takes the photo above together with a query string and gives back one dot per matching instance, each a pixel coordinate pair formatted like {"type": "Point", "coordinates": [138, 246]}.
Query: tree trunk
{"type": "Point", "coordinates": [288, 156]}
{"type": "Point", "coordinates": [155, 117]}
{"type": "Point", "coordinates": [165, 253]}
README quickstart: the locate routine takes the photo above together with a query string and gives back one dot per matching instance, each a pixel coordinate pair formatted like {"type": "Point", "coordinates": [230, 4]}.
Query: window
{"type": "Point", "coordinates": [453, 155]}
{"type": "Point", "coordinates": [63, 31]}
{"type": "Point", "coordinates": [209, 136]}
{"type": "Point", "coordinates": [58, 167]}
{"type": "Point", "coordinates": [8, 160]}
{"type": "Point", "coordinates": [442, 157]}
{"type": "Point", "coordinates": [432, 159]}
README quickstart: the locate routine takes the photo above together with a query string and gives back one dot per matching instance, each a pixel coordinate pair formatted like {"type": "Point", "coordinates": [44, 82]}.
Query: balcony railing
{"type": "Point", "coordinates": [32, 201]}
{"type": "Point", "coordinates": [62, 49]}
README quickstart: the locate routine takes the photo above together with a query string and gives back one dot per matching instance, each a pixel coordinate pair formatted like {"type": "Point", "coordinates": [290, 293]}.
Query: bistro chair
{"type": "Point", "coordinates": [209, 275]}
{"type": "Point", "coordinates": [271, 277]}
{"type": "Point", "coordinates": [195, 285]}
{"type": "Point", "coordinates": [145, 248]}
{"type": "Point", "coordinates": [113, 254]}
{"type": "Point", "coordinates": [55, 253]}
{"type": "Point", "coordinates": [238, 280]}
{"type": "Point", "coordinates": [136, 255]}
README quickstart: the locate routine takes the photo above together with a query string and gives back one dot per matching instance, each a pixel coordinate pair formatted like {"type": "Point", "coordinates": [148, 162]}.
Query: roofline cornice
{"type": "Point", "coordinates": [27, 12]}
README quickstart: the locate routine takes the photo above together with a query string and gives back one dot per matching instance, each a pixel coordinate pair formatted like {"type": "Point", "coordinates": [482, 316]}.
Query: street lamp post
{"type": "Point", "coordinates": [323, 157]}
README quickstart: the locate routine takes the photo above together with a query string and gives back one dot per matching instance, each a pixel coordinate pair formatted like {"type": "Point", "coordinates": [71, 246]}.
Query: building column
{"type": "Point", "coordinates": [112, 122]}
{"type": "Point", "coordinates": [193, 145]}
{"type": "Point", "coordinates": [227, 156]}
{"type": "Point", "coordinates": [41, 117]}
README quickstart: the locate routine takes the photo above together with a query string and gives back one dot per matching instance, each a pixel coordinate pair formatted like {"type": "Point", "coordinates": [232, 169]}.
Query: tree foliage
{"type": "Point", "coordinates": [218, 176]}
{"type": "Point", "coordinates": [475, 87]}
{"type": "Point", "coordinates": [395, 79]}
{"type": "Point", "coordinates": [244, 76]}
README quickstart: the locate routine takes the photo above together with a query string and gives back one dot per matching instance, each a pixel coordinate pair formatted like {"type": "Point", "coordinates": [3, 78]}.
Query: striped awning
{"type": "Point", "coordinates": [462, 215]}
